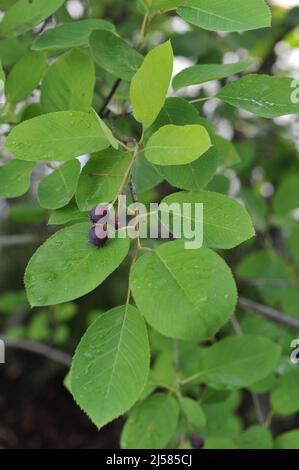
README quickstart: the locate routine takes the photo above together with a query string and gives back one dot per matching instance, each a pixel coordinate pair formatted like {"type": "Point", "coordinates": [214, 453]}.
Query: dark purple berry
{"type": "Point", "coordinates": [98, 235]}
{"type": "Point", "coordinates": [197, 442]}
{"type": "Point", "coordinates": [98, 212]}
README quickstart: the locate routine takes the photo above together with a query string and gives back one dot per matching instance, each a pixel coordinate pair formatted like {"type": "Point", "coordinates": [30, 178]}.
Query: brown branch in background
{"type": "Point", "coordinates": [17, 319]}
{"type": "Point", "coordinates": [264, 282]}
{"type": "Point", "coordinates": [106, 174]}
{"type": "Point", "coordinates": [39, 349]}
{"type": "Point", "coordinates": [268, 312]}
{"type": "Point", "coordinates": [109, 97]}
{"type": "Point", "coordinates": [258, 408]}
{"type": "Point", "coordinates": [236, 325]}
{"type": "Point", "coordinates": [13, 240]}
{"type": "Point", "coordinates": [270, 59]}
{"type": "Point", "coordinates": [133, 191]}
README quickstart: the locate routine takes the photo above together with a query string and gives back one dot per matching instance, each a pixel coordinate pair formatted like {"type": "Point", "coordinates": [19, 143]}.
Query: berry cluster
{"type": "Point", "coordinates": [98, 234]}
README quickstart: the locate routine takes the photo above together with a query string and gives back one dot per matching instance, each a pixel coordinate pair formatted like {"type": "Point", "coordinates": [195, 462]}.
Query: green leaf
{"type": "Point", "coordinates": [57, 189]}
{"type": "Point", "coordinates": [288, 440]}
{"type": "Point", "coordinates": [290, 299]}
{"type": "Point", "coordinates": [11, 50]}
{"type": "Point", "coordinates": [257, 208]}
{"type": "Point", "coordinates": [68, 35]}
{"type": "Point", "coordinates": [237, 362]}
{"type": "Point", "coordinates": [193, 176]}
{"type": "Point", "coordinates": [13, 301]}
{"type": "Point", "coordinates": [57, 137]}
{"type": "Point", "coordinates": [106, 130]}
{"type": "Point", "coordinates": [24, 15]}
{"type": "Point", "coordinates": [177, 145]}
{"type": "Point", "coordinates": [69, 213]}
{"type": "Point", "coordinates": [193, 412]}
{"type": "Point", "coordinates": [25, 76]}
{"type": "Point", "coordinates": [267, 265]}
{"type": "Point", "coordinates": [226, 15]}
{"type": "Point", "coordinates": [151, 424]}
{"type": "Point", "coordinates": [150, 84]}
{"type": "Point", "coordinates": [161, 4]}
{"type": "Point", "coordinates": [38, 328]}
{"type": "Point", "coordinates": [69, 83]}
{"type": "Point", "coordinates": [163, 371]}
{"type": "Point", "coordinates": [285, 396]}
{"type": "Point", "coordinates": [219, 408]}
{"type": "Point", "coordinates": [292, 244]}
{"type": "Point", "coordinates": [175, 289]}
{"type": "Point", "coordinates": [256, 437]}
{"type": "Point", "coordinates": [197, 174]}
{"type": "Point", "coordinates": [220, 184]}
{"type": "Point", "coordinates": [179, 112]}
{"type": "Point", "coordinates": [111, 364]}
{"type": "Point", "coordinates": [15, 178]}
{"type": "Point", "coordinates": [67, 266]}
{"type": "Point", "coordinates": [101, 178]}
{"type": "Point", "coordinates": [226, 223]}
{"type": "Point", "coordinates": [262, 95]}
{"type": "Point", "coordinates": [219, 442]}
{"type": "Point", "coordinates": [115, 55]}
{"type": "Point", "coordinates": [286, 197]}
{"type": "Point", "coordinates": [228, 155]}
{"type": "Point", "coordinates": [145, 175]}
{"type": "Point", "coordinates": [204, 73]}
{"type": "Point", "coordinates": [27, 211]}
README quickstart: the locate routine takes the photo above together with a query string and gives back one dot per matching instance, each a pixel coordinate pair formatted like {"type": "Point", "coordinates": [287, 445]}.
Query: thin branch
{"type": "Point", "coordinates": [145, 23]}
{"type": "Point", "coordinates": [105, 174]}
{"type": "Point", "coordinates": [270, 58]}
{"type": "Point", "coordinates": [109, 97]}
{"type": "Point", "coordinates": [13, 240]}
{"type": "Point", "coordinates": [258, 408]}
{"type": "Point", "coordinates": [133, 191]}
{"type": "Point", "coordinates": [236, 325]}
{"type": "Point", "coordinates": [39, 349]}
{"type": "Point", "coordinates": [268, 312]}
{"type": "Point", "coordinates": [126, 174]}
{"type": "Point", "coordinates": [264, 282]}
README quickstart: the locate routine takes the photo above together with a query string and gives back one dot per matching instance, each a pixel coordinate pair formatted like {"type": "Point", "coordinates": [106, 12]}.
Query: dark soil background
{"type": "Point", "coordinates": [39, 413]}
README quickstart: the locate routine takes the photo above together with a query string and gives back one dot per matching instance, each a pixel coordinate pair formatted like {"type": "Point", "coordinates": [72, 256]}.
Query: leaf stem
{"type": "Point", "coordinates": [191, 378]}
{"type": "Point", "coordinates": [268, 312]}
{"type": "Point", "coordinates": [144, 26]}
{"type": "Point", "coordinates": [122, 144]}
{"type": "Point", "coordinates": [127, 173]}
{"type": "Point", "coordinates": [205, 98]}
